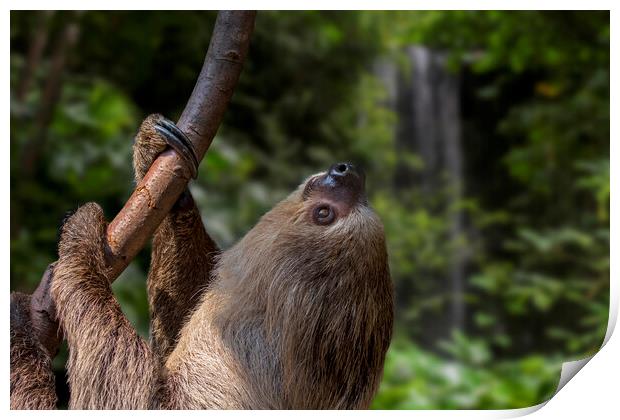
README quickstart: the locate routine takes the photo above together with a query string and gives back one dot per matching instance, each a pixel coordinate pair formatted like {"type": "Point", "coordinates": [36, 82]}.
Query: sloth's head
{"type": "Point", "coordinates": [323, 235]}
{"type": "Point", "coordinates": [314, 273]}
{"type": "Point", "coordinates": [329, 212]}
{"type": "Point", "coordinates": [329, 197]}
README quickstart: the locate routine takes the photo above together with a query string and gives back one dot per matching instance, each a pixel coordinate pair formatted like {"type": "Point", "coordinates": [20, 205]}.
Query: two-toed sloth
{"type": "Point", "coordinates": [298, 314]}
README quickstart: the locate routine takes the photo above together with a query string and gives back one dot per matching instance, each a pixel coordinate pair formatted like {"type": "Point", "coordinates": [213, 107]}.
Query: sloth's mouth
{"type": "Point", "coordinates": [341, 182]}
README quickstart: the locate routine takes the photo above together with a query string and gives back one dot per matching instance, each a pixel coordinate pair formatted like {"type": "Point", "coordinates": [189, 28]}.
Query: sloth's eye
{"type": "Point", "coordinates": [323, 215]}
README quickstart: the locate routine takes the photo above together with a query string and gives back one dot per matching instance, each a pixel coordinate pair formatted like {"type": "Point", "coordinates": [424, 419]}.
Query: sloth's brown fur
{"type": "Point", "coordinates": [32, 380]}
{"type": "Point", "coordinates": [295, 315]}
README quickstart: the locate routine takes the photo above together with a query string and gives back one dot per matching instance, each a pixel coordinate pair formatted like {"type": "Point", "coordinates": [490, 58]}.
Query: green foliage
{"type": "Point", "coordinates": [87, 157]}
{"type": "Point", "coordinates": [417, 379]}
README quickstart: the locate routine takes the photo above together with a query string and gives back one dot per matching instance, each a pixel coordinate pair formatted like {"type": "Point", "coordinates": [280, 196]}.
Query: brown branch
{"type": "Point", "coordinates": [168, 176]}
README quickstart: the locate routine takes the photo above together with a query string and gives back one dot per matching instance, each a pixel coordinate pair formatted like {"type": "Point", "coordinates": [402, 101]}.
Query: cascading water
{"type": "Point", "coordinates": [425, 96]}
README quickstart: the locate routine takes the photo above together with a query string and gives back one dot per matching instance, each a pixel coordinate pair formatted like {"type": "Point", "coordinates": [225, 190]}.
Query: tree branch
{"type": "Point", "coordinates": [168, 176]}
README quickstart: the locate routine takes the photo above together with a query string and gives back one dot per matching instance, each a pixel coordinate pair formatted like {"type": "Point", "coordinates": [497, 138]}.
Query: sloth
{"type": "Point", "coordinates": [32, 379]}
{"type": "Point", "coordinates": [297, 315]}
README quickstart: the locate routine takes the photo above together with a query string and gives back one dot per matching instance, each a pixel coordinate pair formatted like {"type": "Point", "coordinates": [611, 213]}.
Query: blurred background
{"type": "Point", "coordinates": [484, 135]}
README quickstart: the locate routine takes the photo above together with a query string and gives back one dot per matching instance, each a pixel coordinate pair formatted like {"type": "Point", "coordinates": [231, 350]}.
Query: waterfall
{"type": "Point", "coordinates": [425, 96]}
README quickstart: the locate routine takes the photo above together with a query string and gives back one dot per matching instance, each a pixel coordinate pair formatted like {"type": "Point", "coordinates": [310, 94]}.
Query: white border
{"type": "Point", "coordinates": [594, 393]}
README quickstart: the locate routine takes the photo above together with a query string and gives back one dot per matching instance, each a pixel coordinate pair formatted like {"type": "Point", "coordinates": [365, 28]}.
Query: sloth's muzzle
{"type": "Point", "coordinates": [342, 182]}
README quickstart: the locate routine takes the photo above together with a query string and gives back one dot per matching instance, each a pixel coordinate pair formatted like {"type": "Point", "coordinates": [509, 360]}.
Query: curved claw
{"type": "Point", "coordinates": [176, 139]}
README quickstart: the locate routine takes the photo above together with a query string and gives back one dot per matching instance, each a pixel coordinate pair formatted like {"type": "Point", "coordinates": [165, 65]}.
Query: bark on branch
{"type": "Point", "coordinates": [168, 176]}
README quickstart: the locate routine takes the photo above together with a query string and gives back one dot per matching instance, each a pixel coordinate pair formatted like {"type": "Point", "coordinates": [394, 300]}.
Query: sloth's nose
{"type": "Point", "coordinates": [342, 182]}
{"type": "Point", "coordinates": [345, 175]}
{"type": "Point", "coordinates": [343, 169]}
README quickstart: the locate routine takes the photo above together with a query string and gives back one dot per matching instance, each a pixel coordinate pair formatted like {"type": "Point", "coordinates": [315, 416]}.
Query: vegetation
{"type": "Point", "coordinates": [535, 146]}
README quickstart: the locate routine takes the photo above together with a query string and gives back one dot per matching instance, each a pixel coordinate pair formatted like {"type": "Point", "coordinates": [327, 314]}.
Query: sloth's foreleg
{"type": "Point", "coordinates": [183, 253]}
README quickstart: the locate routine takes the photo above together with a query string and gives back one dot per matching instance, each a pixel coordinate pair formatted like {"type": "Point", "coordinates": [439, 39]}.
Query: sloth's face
{"type": "Point", "coordinates": [325, 222]}
{"type": "Point", "coordinates": [332, 195]}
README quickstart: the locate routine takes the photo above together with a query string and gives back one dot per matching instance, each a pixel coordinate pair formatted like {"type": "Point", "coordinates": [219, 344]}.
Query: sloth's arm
{"type": "Point", "coordinates": [32, 380]}
{"type": "Point", "coordinates": [110, 366]}
{"type": "Point", "coordinates": [183, 253]}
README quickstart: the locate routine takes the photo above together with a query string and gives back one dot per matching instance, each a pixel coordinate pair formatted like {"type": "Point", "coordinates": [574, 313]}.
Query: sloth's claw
{"type": "Point", "coordinates": [176, 139]}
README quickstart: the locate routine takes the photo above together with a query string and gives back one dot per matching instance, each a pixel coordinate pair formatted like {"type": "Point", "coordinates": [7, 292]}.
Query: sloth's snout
{"type": "Point", "coordinates": [344, 169]}
{"type": "Point", "coordinates": [343, 182]}
{"type": "Point", "coordinates": [345, 175]}
{"type": "Point", "coordinates": [341, 169]}
{"type": "Point", "coordinates": [347, 170]}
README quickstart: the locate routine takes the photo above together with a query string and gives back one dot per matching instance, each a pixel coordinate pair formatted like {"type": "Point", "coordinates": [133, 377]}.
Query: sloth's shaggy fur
{"type": "Point", "coordinates": [32, 380]}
